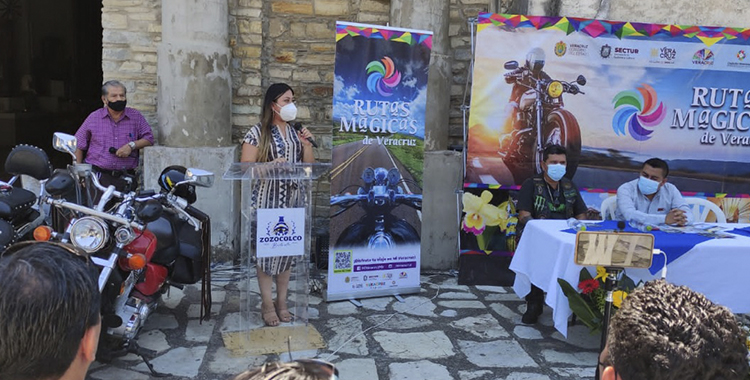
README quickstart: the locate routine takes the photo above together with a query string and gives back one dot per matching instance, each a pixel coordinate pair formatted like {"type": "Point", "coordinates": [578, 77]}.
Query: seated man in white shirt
{"type": "Point", "coordinates": [651, 200]}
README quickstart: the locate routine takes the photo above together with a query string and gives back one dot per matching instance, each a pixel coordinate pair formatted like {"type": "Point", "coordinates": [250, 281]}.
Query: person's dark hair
{"type": "Point", "coordinates": [670, 332]}
{"type": "Point", "coordinates": [273, 93]}
{"type": "Point", "coordinates": [49, 297]}
{"type": "Point", "coordinates": [658, 163]}
{"type": "Point", "coordinates": [113, 83]}
{"type": "Point", "coordinates": [553, 149]}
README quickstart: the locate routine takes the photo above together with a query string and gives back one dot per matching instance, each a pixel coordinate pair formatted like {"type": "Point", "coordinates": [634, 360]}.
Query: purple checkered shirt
{"type": "Point", "coordinates": [99, 132]}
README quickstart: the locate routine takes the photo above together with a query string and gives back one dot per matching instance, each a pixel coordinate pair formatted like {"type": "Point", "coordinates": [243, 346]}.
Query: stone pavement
{"type": "Point", "coordinates": [449, 331]}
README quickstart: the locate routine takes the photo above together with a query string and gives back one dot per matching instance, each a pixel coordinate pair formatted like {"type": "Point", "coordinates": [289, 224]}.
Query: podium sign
{"type": "Point", "coordinates": [280, 232]}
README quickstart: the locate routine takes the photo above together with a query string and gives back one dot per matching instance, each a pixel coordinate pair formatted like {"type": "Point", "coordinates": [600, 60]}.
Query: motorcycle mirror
{"type": "Point", "coordinates": [581, 80]}
{"type": "Point", "coordinates": [65, 143]}
{"type": "Point", "coordinates": [511, 65]}
{"type": "Point", "coordinates": [199, 177]}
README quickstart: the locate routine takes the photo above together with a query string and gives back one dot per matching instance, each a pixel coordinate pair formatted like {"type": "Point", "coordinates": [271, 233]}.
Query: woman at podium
{"type": "Point", "coordinates": [274, 139]}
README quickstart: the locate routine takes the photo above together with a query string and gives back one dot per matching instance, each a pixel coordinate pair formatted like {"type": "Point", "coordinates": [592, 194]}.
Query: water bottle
{"type": "Point", "coordinates": [576, 224]}
{"type": "Point", "coordinates": [643, 227]}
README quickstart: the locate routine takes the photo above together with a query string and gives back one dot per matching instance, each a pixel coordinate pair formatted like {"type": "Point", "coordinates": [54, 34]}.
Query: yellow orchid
{"type": "Point", "coordinates": [479, 213]}
{"type": "Point", "coordinates": [601, 273]}
{"type": "Point", "coordinates": [617, 297]}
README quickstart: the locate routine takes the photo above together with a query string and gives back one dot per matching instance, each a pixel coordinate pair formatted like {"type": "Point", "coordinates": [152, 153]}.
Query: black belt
{"type": "Point", "coordinates": [113, 173]}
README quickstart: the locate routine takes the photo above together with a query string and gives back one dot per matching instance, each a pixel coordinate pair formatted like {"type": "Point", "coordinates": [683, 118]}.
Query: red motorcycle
{"type": "Point", "coordinates": [144, 243]}
{"type": "Point", "coordinates": [541, 120]}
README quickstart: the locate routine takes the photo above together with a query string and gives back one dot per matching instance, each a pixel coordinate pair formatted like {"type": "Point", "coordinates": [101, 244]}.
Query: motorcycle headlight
{"type": "Point", "coordinates": [89, 234]}
{"type": "Point", "coordinates": [555, 89]}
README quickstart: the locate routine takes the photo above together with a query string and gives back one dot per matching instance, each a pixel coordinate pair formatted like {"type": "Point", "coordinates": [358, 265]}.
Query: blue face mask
{"type": "Point", "coordinates": [647, 186]}
{"type": "Point", "coordinates": [556, 171]}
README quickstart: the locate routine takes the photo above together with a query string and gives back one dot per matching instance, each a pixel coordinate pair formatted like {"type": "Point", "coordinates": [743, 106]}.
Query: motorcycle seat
{"type": "Point", "coordinates": [15, 201]}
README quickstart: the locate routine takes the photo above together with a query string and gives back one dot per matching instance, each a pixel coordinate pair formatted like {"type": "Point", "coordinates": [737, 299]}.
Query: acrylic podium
{"type": "Point", "coordinates": [277, 224]}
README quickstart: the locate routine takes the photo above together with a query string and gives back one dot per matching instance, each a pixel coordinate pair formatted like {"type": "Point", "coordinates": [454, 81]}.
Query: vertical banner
{"type": "Point", "coordinates": [380, 93]}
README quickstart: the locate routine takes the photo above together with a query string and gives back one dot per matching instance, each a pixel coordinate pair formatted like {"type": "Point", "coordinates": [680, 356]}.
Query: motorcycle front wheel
{"type": "Point", "coordinates": [562, 129]}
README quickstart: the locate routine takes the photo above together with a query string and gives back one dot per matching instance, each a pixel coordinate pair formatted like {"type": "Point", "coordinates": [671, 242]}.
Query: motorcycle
{"type": "Point", "coordinates": [20, 212]}
{"type": "Point", "coordinates": [145, 243]}
{"type": "Point", "coordinates": [378, 228]}
{"type": "Point", "coordinates": [541, 121]}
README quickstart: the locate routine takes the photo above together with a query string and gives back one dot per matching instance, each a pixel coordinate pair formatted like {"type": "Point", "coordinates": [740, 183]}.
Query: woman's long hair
{"type": "Point", "coordinates": [266, 119]}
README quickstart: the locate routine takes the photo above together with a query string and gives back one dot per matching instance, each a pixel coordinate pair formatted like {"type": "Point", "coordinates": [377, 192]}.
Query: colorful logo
{"type": "Point", "coordinates": [637, 110]}
{"type": "Point", "coordinates": [703, 57]}
{"type": "Point", "coordinates": [741, 55]}
{"type": "Point", "coordinates": [382, 76]}
{"type": "Point", "coordinates": [560, 49]}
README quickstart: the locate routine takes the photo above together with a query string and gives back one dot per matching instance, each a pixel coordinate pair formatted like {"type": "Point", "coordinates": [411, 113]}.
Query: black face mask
{"type": "Point", "coordinates": [118, 105]}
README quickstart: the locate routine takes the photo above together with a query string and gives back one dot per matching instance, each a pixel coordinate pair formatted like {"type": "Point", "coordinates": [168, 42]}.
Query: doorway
{"type": "Point", "coordinates": [50, 71]}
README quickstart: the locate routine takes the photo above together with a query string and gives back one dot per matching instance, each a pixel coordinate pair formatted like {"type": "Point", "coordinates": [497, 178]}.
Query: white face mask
{"type": "Point", "coordinates": [288, 112]}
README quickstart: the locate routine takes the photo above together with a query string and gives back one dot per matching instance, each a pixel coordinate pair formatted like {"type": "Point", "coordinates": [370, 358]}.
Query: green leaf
{"type": "Point", "coordinates": [626, 284]}
{"type": "Point", "coordinates": [585, 275]}
{"type": "Point", "coordinates": [590, 317]}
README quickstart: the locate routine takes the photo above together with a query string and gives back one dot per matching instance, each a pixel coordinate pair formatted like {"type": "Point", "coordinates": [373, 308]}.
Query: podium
{"type": "Point", "coordinates": [275, 221]}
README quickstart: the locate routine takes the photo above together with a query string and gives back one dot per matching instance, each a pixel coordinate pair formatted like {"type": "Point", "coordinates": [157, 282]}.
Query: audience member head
{"type": "Point", "coordinates": [302, 369]}
{"type": "Point", "coordinates": [670, 332]}
{"type": "Point", "coordinates": [49, 313]}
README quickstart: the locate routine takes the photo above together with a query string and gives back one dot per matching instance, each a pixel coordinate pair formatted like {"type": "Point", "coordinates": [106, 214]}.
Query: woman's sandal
{"type": "Point", "coordinates": [270, 318]}
{"type": "Point", "coordinates": [283, 313]}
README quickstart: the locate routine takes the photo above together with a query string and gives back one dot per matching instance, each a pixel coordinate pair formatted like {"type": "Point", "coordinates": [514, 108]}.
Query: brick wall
{"type": "Point", "coordinates": [132, 32]}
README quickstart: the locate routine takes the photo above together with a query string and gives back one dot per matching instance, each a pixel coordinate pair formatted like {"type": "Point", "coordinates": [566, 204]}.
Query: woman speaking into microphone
{"type": "Point", "coordinates": [275, 140]}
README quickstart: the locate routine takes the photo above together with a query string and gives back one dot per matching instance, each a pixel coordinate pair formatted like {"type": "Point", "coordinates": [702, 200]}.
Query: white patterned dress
{"type": "Point", "coordinates": [275, 193]}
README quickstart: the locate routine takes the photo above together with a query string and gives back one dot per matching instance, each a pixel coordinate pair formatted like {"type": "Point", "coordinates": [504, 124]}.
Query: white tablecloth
{"type": "Point", "coordinates": [717, 268]}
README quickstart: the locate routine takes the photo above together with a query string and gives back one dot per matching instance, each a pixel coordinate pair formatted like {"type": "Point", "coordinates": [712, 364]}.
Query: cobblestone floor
{"type": "Point", "coordinates": [449, 331]}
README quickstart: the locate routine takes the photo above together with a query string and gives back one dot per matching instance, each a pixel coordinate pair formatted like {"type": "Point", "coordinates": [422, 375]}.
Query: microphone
{"type": "Point", "coordinates": [620, 225]}
{"type": "Point", "coordinates": [298, 127]}
{"type": "Point", "coordinates": [112, 150]}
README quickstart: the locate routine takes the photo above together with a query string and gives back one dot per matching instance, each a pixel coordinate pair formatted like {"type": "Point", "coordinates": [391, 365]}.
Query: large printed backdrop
{"type": "Point", "coordinates": [675, 92]}
{"type": "Point", "coordinates": [380, 89]}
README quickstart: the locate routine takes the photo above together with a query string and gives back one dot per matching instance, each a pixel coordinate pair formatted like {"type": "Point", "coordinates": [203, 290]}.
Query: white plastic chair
{"type": "Point", "coordinates": [609, 206]}
{"type": "Point", "coordinates": [702, 207]}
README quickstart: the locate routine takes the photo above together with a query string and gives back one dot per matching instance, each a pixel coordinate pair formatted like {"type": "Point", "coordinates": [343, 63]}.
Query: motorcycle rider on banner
{"type": "Point", "coordinates": [547, 196]}
{"type": "Point", "coordinates": [538, 117]}
{"type": "Point", "coordinates": [520, 78]}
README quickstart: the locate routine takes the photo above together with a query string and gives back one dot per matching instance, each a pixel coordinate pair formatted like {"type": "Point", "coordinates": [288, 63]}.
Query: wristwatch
{"type": "Point", "coordinates": [132, 145]}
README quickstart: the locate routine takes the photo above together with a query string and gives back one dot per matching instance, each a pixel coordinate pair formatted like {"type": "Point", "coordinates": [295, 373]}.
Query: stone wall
{"type": "Point", "coordinates": [132, 32]}
{"type": "Point", "coordinates": [292, 42]}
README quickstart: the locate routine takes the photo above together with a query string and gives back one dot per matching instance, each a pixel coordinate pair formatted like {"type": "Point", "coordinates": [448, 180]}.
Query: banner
{"type": "Point", "coordinates": [380, 92]}
{"type": "Point", "coordinates": [614, 94]}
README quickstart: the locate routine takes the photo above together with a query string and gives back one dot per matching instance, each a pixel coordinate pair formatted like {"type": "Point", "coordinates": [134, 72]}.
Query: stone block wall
{"type": "Point", "coordinates": [292, 41]}
{"type": "Point", "coordinates": [131, 34]}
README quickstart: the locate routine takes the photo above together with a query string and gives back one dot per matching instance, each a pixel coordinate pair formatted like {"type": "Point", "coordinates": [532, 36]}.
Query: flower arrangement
{"type": "Point", "coordinates": [485, 220]}
{"type": "Point", "coordinates": [588, 304]}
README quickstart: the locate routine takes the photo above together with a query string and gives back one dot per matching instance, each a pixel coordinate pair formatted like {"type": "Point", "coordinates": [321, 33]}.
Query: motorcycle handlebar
{"type": "Point", "coordinates": [89, 211]}
{"type": "Point", "coordinates": [343, 200]}
{"type": "Point", "coordinates": [180, 205]}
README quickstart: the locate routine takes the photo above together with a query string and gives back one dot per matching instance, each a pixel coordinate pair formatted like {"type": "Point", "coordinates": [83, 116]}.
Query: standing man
{"type": "Point", "coordinates": [650, 199]}
{"type": "Point", "coordinates": [49, 313]}
{"type": "Point", "coordinates": [110, 137]}
{"type": "Point", "coordinates": [547, 196]}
